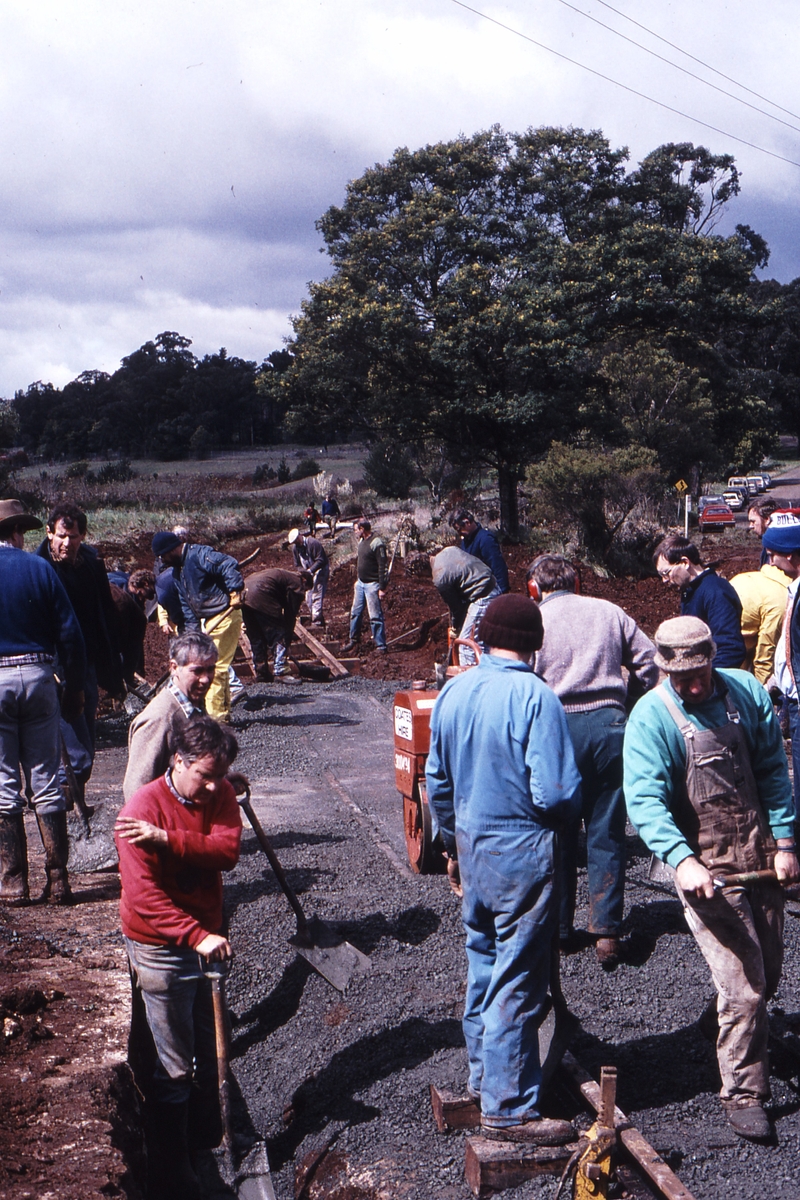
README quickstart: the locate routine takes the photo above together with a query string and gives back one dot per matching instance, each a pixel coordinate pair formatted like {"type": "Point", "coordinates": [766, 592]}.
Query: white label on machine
{"type": "Point", "coordinates": [422, 705]}
{"type": "Point", "coordinates": [402, 762]}
{"type": "Point", "coordinates": [403, 723]}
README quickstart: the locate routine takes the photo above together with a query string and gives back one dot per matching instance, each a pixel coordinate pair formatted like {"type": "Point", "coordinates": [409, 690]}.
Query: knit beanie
{"type": "Point", "coordinates": [165, 541]}
{"type": "Point", "coordinates": [512, 622]}
{"type": "Point", "coordinates": [683, 644]}
{"type": "Point", "coordinates": [782, 539]}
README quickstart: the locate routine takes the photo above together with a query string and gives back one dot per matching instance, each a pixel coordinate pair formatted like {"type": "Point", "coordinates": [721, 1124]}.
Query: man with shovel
{"type": "Point", "coordinates": [501, 779]}
{"type": "Point", "coordinates": [174, 838]}
{"type": "Point", "coordinates": [707, 789]}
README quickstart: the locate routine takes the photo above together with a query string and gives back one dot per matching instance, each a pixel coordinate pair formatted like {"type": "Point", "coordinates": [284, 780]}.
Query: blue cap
{"type": "Point", "coordinates": [164, 542]}
{"type": "Point", "coordinates": [782, 539]}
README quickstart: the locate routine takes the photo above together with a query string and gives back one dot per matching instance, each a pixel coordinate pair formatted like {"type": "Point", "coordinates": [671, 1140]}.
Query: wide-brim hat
{"type": "Point", "coordinates": [12, 512]}
{"type": "Point", "coordinates": [683, 644]}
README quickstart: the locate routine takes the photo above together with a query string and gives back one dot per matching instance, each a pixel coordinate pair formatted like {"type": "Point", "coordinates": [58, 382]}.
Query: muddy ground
{"type": "Point", "coordinates": [339, 1084]}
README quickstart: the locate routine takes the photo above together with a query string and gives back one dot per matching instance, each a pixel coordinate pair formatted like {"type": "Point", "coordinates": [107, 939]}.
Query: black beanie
{"type": "Point", "coordinates": [512, 622]}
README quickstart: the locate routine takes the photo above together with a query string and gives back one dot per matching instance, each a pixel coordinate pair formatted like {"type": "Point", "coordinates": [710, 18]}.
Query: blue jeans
{"type": "Point", "coordinates": [365, 595]}
{"type": "Point", "coordinates": [466, 656]}
{"type": "Point", "coordinates": [507, 875]}
{"type": "Point", "coordinates": [180, 1016]}
{"type": "Point", "coordinates": [597, 742]}
{"type": "Point", "coordinates": [29, 716]}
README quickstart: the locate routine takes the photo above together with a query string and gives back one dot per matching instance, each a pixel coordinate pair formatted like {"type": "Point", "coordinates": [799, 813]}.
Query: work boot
{"type": "Point", "coordinates": [607, 950]}
{"type": "Point", "coordinates": [349, 647]}
{"type": "Point", "coordinates": [53, 828]}
{"type": "Point", "coordinates": [748, 1120]}
{"type": "Point", "coordinates": [544, 1131]}
{"type": "Point", "coordinates": [13, 860]}
{"type": "Point", "coordinates": [170, 1174]}
{"type": "Point", "coordinates": [205, 1119]}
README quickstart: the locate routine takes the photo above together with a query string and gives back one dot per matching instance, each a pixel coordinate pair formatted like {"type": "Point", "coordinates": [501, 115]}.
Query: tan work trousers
{"type": "Point", "coordinates": [740, 935]}
{"type": "Point", "coordinates": [224, 630]}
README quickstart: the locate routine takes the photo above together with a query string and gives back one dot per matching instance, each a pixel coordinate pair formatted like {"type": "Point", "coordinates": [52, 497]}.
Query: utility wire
{"type": "Point", "coordinates": [701, 61]}
{"type": "Point", "coordinates": [684, 70]}
{"type": "Point", "coordinates": [642, 95]}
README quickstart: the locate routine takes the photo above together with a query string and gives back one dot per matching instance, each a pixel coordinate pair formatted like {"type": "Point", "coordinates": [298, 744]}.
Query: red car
{"type": "Point", "coordinates": [716, 516]}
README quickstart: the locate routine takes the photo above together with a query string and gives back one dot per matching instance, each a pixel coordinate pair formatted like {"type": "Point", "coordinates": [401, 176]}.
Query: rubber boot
{"type": "Point", "coordinates": [13, 860]}
{"type": "Point", "coordinates": [205, 1119]}
{"type": "Point", "coordinates": [53, 828]}
{"type": "Point", "coordinates": [170, 1174]}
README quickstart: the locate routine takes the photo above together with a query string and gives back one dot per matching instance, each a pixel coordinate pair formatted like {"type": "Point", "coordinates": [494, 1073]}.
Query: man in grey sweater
{"type": "Point", "coordinates": [587, 644]}
{"type": "Point", "coordinates": [192, 660]}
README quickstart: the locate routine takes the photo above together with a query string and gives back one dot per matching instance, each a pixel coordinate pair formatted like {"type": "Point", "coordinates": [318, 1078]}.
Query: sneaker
{"type": "Point", "coordinates": [749, 1121]}
{"type": "Point", "coordinates": [607, 950]}
{"type": "Point", "coordinates": [544, 1131]}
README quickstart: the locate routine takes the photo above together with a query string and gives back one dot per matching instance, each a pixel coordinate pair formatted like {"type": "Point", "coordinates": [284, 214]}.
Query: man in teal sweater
{"type": "Point", "coordinates": [707, 789]}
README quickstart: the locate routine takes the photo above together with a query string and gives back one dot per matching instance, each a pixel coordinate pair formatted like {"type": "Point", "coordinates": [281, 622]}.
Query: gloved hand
{"type": "Point", "coordinates": [72, 705]}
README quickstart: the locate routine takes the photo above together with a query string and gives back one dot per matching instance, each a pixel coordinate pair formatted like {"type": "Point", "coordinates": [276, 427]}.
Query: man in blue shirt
{"type": "Point", "coordinates": [482, 544]}
{"type": "Point", "coordinates": [705, 595]}
{"type": "Point", "coordinates": [501, 780]}
{"type": "Point", "coordinates": [37, 622]}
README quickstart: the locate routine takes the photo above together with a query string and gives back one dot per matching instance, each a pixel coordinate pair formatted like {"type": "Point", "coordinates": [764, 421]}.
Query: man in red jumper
{"type": "Point", "coordinates": [174, 837]}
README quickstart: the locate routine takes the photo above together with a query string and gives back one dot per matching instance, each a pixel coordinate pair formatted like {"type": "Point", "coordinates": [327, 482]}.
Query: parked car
{"type": "Point", "coordinates": [735, 498]}
{"type": "Point", "coordinates": [740, 481]}
{"type": "Point", "coordinates": [716, 516]}
{"type": "Point", "coordinates": [758, 482]}
{"type": "Point", "coordinates": [765, 475]}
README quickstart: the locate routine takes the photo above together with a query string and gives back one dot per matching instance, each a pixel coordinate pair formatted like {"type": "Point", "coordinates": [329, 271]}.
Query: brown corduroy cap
{"type": "Point", "coordinates": [512, 622]}
{"type": "Point", "coordinates": [683, 644]}
{"type": "Point", "coordinates": [14, 513]}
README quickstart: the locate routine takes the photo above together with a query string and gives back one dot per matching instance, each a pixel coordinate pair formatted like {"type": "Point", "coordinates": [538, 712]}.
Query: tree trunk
{"type": "Point", "coordinates": [507, 481]}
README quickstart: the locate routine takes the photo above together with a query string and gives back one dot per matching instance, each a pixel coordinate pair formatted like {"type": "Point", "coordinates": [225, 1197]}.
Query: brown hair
{"type": "Point", "coordinates": [674, 548]}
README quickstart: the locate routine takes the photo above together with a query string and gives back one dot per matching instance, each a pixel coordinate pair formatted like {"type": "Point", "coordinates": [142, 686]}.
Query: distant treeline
{"type": "Point", "coordinates": [162, 402]}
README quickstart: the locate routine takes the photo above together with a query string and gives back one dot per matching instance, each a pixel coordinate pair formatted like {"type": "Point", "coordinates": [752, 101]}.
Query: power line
{"type": "Point", "coordinates": [642, 95]}
{"type": "Point", "coordinates": [684, 70]}
{"type": "Point", "coordinates": [701, 61]}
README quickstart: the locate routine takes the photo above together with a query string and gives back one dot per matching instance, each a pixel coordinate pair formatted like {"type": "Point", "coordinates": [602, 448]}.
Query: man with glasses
{"type": "Point", "coordinates": [704, 594]}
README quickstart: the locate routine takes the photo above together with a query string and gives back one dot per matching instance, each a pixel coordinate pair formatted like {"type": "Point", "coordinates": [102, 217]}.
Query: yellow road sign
{"type": "Point", "coordinates": [681, 486]}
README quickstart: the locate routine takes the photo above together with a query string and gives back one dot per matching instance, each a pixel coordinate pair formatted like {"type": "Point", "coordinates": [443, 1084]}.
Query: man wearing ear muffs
{"type": "Point", "coordinates": [587, 642]}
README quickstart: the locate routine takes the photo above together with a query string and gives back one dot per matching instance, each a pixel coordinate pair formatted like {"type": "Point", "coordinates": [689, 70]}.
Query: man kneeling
{"type": "Point", "coordinates": [174, 837]}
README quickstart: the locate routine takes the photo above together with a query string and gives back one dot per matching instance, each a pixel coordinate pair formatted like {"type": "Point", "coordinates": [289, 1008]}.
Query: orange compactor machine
{"type": "Point", "coordinates": [412, 736]}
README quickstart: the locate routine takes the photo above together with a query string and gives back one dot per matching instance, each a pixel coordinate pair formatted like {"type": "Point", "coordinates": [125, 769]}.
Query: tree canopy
{"type": "Point", "coordinates": [490, 294]}
{"type": "Point", "coordinates": [161, 402]}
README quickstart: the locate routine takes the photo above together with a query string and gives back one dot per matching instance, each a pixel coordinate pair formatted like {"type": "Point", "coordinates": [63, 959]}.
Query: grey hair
{"type": "Point", "coordinates": [192, 647]}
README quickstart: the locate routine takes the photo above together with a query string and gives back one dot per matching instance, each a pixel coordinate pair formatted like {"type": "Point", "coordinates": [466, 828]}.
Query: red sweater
{"type": "Point", "coordinates": [172, 896]}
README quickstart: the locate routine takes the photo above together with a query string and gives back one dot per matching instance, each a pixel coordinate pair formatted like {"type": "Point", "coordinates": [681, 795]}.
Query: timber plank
{"type": "Point", "coordinates": [452, 1111]}
{"type": "Point", "coordinates": [321, 651]}
{"type": "Point", "coordinates": [637, 1146]}
{"type": "Point", "coordinates": [491, 1166]}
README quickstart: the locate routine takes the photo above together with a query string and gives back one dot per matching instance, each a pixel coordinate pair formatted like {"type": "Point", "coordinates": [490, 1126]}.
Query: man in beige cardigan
{"type": "Point", "coordinates": [192, 659]}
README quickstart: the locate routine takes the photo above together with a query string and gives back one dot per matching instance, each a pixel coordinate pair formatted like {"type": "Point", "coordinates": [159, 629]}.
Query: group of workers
{"type": "Point", "coordinates": [563, 722]}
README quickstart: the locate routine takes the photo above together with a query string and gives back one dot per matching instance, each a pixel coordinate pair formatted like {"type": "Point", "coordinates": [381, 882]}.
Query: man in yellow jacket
{"type": "Point", "coordinates": [763, 596]}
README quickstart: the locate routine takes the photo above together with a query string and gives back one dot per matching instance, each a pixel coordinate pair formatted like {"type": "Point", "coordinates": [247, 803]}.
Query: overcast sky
{"type": "Point", "coordinates": [164, 163]}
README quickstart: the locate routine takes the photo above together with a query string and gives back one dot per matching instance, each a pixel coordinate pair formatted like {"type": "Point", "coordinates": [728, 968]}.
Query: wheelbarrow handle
{"type": "Point", "coordinates": [263, 840]}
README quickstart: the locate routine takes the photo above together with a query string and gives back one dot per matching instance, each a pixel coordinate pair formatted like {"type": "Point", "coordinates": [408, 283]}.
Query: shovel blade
{"type": "Point", "coordinates": [330, 955]}
{"type": "Point", "coordinates": [253, 1180]}
{"type": "Point", "coordinates": [660, 872]}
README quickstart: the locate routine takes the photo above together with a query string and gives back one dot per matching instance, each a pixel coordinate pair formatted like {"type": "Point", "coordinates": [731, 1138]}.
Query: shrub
{"type": "Point", "coordinates": [389, 469]}
{"type": "Point", "coordinates": [284, 474]}
{"type": "Point", "coordinates": [116, 472]}
{"type": "Point", "coordinates": [305, 468]}
{"type": "Point", "coordinates": [263, 475]}
{"type": "Point", "coordinates": [77, 470]}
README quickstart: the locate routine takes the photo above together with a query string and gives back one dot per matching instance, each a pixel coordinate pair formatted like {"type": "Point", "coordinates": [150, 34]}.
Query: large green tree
{"type": "Point", "coordinates": [478, 283]}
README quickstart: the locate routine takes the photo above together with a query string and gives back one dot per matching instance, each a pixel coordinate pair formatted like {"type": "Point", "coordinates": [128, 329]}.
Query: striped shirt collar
{"type": "Point", "coordinates": [188, 706]}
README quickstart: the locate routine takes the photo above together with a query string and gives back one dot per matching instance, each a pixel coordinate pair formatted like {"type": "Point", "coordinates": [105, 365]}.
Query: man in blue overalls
{"type": "Point", "coordinates": [501, 780]}
{"type": "Point", "coordinates": [707, 789]}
